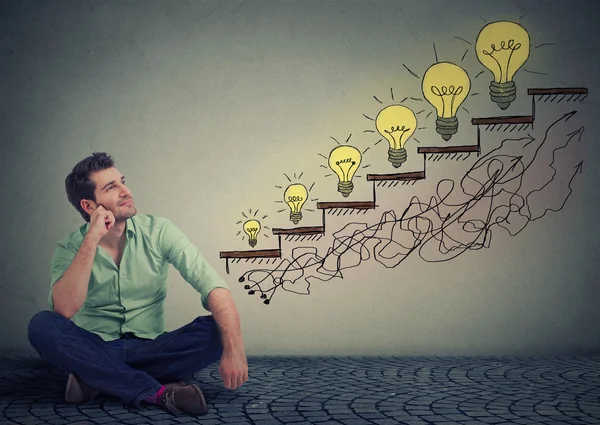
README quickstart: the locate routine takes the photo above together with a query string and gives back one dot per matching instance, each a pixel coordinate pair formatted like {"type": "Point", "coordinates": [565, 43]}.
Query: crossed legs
{"type": "Point", "coordinates": [132, 372]}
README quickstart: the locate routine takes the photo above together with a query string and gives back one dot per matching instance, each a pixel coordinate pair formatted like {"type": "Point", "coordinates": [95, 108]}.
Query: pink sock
{"type": "Point", "coordinates": [155, 397]}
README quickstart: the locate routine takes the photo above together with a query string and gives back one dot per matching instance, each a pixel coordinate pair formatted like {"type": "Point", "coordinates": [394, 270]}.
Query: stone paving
{"type": "Point", "coordinates": [347, 391]}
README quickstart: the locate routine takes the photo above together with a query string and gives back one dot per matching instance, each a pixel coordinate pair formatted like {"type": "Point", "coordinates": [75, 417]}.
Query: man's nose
{"type": "Point", "coordinates": [125, 192]}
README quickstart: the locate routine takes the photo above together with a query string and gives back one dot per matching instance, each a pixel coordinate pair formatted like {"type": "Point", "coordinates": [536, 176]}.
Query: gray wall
{"type": "Point", "coordinates": [205, 106]}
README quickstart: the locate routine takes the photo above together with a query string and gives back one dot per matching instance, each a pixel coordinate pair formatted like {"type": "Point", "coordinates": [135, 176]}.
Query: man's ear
{"type": "Point", "coordinates": [88, 205]}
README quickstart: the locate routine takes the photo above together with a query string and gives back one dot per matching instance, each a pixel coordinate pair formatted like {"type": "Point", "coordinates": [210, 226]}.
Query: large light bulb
{"type": "Point", "coordinates": [446, 86]}
{"type": "Point", "coordinates": [295, 196]}
{"type": "Point", "coordinates": [396, 123]}
{"type": "Point", "coordinates": [344, 161]}
{"type": "Point", "coordinates": [251, 228]}
{"type": "Point", "coordinates": [503, 47]}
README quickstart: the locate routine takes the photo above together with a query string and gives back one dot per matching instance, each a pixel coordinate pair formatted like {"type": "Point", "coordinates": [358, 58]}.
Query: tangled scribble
{"type": "Point", "coordinates": [512, 185]}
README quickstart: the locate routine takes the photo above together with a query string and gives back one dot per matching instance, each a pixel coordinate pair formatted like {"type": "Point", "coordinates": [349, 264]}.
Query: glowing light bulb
{"type": "Point", "coordinates": [251, 228]}
{"type": "Point", "coordinates": [344, 161]}
{"type": "Point", "coordinates": [503, 47]}
{"type": "Point", "coordinates": [295, 196]}
{"type": "Point", "coordinates": [396, 123]}
{"type": "Point", "coordinates": [446, 86]}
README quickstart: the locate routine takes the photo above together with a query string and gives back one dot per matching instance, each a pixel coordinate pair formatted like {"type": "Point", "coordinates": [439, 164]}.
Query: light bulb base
{"type": "Point", "coordinates": [446, 127]}
{"type": "Point", "coordinates": [252, 243]}
{"type": "Point", "coordinates": [397, 156]}
{"type": "Point", "coordinates": [345, 188]}
{"type": "Point", "coordinates": [503, 93]}
{"type": "Point", "coordinates": [295, 217]}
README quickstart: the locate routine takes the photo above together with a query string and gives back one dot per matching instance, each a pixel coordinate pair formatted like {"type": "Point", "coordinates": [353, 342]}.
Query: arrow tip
{"type": "Point", "coordinates": [568, 115]}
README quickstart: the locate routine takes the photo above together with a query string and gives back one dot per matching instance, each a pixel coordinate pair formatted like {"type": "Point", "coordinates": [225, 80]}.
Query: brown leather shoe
{"type": "Point", "coordinates": [178, 398]}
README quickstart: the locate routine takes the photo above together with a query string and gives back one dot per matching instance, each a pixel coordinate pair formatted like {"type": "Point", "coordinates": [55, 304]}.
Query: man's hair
{"type": "Point", "coordinates": [78, 183]}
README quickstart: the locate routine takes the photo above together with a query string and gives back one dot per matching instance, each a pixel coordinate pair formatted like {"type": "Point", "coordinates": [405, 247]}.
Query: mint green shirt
{"type": "Point", "coordinates": [130, 298]}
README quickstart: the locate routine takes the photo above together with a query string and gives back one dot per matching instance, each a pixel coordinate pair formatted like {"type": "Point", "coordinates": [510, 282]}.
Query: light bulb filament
{"type": "Point", "coordinates": [344, 169]}
{"type": "Point", "coordinates": [398, 137]}
{"type": "Point", "coordinates": [447, 91]}
{"type": "Point", "coordinates": [294, 202]}
{"type": "Point", "coordinates": [512, 47]}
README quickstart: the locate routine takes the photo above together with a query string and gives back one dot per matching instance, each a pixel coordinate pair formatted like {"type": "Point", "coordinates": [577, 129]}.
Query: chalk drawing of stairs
{"type": "Point", "coordinates": [508, 124]}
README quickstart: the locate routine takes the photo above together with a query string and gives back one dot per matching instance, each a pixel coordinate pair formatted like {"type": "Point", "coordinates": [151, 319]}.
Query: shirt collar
{"type": "Point", "coordinates": [130, 227]}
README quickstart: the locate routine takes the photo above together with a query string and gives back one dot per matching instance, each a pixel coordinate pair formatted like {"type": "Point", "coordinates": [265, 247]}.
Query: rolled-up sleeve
{"type": "Point", "coordinates": [179, 251]}
{"type": "Point", "coordinates": [61, 260]}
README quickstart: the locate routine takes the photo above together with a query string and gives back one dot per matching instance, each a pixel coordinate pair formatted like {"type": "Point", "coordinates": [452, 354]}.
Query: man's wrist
{"type": "Point", "coordinates": [92, 238]}
{"type": "Point", "coordinates": [232, 345]}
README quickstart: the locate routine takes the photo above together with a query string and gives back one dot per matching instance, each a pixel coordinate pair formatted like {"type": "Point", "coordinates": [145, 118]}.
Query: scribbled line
{"type": "Point", "coordinates": [435, 52]}
{"type": "Point", "coordinates": [412, 73]}
{"type": "Point", "coordinates": [543, 44]}
{"type": "Point", "coordinates": [498, 191]}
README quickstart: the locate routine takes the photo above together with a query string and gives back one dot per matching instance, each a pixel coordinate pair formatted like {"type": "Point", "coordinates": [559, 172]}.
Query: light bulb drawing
{"type": "Point", "coordinates": [252, 228]}
{"type": "Point", "coordinates": [396, 123]}
{"type": "Point", "coordinates": [503, 47]}
{"type": "Point", "coordinates": [295, 196]}
{"type": "Point", "coordinates": [344, 160]}
{"type": "Point", "coordinates": [446, 86]}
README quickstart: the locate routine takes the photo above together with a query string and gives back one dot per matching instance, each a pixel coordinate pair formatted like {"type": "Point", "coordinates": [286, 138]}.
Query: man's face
{"type": "Point", "coordinates": [112, 193]}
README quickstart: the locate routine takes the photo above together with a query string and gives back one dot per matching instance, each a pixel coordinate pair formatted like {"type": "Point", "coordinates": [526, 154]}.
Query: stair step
{"type": "Point", "coordinates": [259, 253]}
{"type": "Point", "coordinates": [564, 90]}
{"type": "Point", "coordinates": [448, 149]}
{"type": "Point", "coordinates": [417, 175]}
{"type": "Point", "coordinates": [359, 205]}
{"type": "Point", "coordinates": [521, 119]}
{"type": "Point", "coordinates": [312, 230]}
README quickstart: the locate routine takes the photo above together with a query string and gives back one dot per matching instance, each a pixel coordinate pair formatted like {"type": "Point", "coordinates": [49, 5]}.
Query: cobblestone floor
{"type": "Point", "coordinates": [339, 391]}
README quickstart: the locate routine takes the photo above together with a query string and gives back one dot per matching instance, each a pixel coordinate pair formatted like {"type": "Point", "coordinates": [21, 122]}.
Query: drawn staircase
{"type": "Point", "coordinates": [435, 153]}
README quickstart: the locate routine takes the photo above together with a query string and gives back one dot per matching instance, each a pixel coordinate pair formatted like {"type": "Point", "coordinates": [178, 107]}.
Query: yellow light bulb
{"type": "Point", "coordinates": [446, 86]}
{"type": "Point", "coordinates": [295, 196]}
{"type": "Point", "coordinates": [396, 123]}
{"type": "Point", "coordinates": [251, 228]}
{"type": "Point", "coordinates": [503, 47]}
{"type": "Point", "coordinates": [344, 161]}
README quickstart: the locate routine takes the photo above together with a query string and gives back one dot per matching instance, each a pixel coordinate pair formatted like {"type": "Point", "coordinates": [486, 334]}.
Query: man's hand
{"type": "Point", "coordinates": [233, 369]}
{"type": "Point", "coordinates": [101, 220]}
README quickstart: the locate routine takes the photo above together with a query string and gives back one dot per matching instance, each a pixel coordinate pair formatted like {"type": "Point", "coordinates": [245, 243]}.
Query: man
{"type": "Point", "coordinates": [108, 285]}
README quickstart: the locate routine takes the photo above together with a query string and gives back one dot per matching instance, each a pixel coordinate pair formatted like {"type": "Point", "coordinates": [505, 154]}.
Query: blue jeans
{"type": "Point", "coordinates": [129, 368]}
